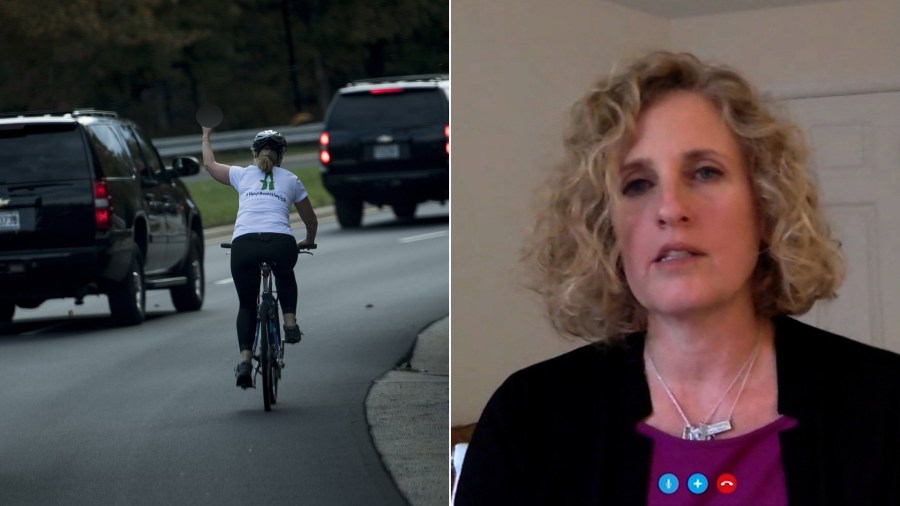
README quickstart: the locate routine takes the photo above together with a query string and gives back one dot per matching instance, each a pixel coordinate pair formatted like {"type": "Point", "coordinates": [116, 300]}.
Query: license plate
{"type": "Point", "coordinates": [387, 152]}
{"type": "Point", "coordinates": [9, 220]}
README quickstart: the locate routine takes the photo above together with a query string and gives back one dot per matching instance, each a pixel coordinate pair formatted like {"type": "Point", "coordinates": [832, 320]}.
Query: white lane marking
{"type": "Point", "coordinates": [432, 235]}
{"type": "Point", "coordinates": [224, 281]}
{"type": "Point", "coordinates": [42, 329]}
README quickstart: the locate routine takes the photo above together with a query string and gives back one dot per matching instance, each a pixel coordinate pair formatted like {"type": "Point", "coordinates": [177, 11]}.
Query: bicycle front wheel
{"type": "Point", "coordinates": [277, 356]}
{"type": "Point", "coordinates": [265, 356]}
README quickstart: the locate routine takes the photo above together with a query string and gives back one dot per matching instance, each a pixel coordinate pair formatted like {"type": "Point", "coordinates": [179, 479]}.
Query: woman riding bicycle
{"type": "Point", "coordinates": [262, 231]}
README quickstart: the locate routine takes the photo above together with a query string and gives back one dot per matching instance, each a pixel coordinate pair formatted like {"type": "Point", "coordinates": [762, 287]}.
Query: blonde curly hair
{"type": "Point", "coordinates": [575, 260]}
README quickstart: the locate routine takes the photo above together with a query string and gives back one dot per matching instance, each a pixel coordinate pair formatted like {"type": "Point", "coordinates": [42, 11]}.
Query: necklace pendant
{"type": "Point", "coordinates": [695, 433]}
{"type": "Point", "coordinates": [716, 428]}
{"type": "Point", "coordinates": [705, 432]}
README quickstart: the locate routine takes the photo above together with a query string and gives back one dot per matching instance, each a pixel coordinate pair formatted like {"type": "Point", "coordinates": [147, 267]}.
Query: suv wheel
{"type": "Point", "coordinates": [189, 297]}
{"type": "Point", "coordinates": [7, 310]}
{"type": "Point", "coordinates": [404, 210]}
{"type": "Point", "coordinates": [127, 298]}
{"type": "Point", "coordinates": [349, 211]}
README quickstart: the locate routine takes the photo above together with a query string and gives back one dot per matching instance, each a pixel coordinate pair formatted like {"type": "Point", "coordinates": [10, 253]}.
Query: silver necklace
{"type": "Point", "coordinates": [704, 431]}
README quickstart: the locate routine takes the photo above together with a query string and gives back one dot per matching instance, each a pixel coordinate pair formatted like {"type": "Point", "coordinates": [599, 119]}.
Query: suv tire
{"type": "Point", "coordinates": [128, 298]}
{"type": "Point", "coordinates": [349, 211]}
{"type": "Point", "coordinates": [404, 210]}
{"type": "Point", "coordinates": [7, 310]}
{"type": "Point", "coordinates": [189, 297]}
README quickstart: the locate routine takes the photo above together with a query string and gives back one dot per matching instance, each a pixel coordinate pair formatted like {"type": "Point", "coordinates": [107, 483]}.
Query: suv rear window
{"type": "Point", "coordinates": [48, 152]}
{"type": "Point", "coordinates": [407, 109]}
{"type": "Point", "coordinates": [113, 155]}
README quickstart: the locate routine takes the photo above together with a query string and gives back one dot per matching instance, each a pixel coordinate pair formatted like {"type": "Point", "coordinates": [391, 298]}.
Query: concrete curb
{"type": "Point", "coordinates": [407, 410]}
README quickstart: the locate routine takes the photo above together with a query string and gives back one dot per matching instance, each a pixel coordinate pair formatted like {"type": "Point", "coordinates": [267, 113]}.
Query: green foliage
{"type": "Point", "coordinates": [218, 203]}
{"type": "Point", "coordinates": [156, 61]}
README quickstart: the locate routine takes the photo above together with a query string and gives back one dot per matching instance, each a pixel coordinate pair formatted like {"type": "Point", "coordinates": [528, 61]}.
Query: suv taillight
{"type": "Point", "coordinates": [324, 155]}
{"type": "Point", "coordinates": [102, 205]}
{"type": "Point", "coordinates": [447, 135]}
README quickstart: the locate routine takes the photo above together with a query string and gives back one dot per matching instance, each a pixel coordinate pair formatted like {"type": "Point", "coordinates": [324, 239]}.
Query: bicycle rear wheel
{"type": "Point", "coordinates": [265, 356]}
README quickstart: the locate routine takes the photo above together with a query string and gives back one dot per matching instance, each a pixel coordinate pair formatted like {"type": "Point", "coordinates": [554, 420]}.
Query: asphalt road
{"type": "Point", "coordinates": [94, 414]}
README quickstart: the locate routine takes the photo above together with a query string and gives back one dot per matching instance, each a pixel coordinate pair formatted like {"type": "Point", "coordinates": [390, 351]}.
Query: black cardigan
{"type": "Point", "coordinates": [561, 432]}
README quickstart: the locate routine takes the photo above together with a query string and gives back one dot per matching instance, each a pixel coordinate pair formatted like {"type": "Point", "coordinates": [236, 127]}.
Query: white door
{"type": "Point", "coordinates": [855, 143]}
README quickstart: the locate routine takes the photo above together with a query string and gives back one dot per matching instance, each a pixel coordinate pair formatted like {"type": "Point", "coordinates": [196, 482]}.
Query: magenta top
{"type": "Point", "coordinates": [734, 471]}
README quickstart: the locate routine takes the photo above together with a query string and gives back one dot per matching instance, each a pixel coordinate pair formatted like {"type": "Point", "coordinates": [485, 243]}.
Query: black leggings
{"type": "Point", "coordinates": [247, 251]}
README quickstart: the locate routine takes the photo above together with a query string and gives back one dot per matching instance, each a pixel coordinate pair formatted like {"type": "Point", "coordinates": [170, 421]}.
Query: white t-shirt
{"type": "Point", "coordinates": [265, 200]}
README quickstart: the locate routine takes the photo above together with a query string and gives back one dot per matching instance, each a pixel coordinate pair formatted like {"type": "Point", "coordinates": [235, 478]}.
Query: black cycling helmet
{"type": "Point", "coordinates": [269, 139]}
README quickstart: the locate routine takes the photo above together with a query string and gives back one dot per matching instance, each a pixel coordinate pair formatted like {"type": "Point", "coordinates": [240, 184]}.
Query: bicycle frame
{"type": "Point", "coordinates": [267, 296]}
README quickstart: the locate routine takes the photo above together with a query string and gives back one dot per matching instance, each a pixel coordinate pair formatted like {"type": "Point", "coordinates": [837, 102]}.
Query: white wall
{"type": "Point", "coordinates": [518, 64]}
{"type": "Point", "coordinates": [827, 46]}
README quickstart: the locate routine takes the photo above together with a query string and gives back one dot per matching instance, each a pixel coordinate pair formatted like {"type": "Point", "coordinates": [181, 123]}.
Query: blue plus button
{"type": "Point", "coordinates": [668, 483]}
{"type": "Point", "coordinates": [697, 483]}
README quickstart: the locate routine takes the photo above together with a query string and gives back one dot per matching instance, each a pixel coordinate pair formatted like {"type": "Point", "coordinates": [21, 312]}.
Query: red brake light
{"type": "Point", "coordinates": [447, 131]}
{"type": "Point", "coordinates": [385, 91]}
{"type": "Point", "coordinates": [101, 190]}
{"type": "Point", "coordinates": [324, 155]}
{"type": "Point", "coordinates": [101, 218]}
{"type": "Point", "coordinates": [102, 205]}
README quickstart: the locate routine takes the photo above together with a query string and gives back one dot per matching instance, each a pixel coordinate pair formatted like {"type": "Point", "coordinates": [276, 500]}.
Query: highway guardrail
{"type": "Point", "coordinates": [189, 145]}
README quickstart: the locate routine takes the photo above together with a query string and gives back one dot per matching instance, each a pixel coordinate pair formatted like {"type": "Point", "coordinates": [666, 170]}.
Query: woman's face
{"type": "Point", "coordinates": [686, 220]}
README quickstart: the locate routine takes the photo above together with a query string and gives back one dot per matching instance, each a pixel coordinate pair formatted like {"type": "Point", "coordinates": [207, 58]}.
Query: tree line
{"type": "Point", "coordinates": [264, 62]}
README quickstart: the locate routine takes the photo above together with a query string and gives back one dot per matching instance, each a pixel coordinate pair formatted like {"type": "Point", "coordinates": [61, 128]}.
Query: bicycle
{"type": "Point", "coordinates": [270, 359]}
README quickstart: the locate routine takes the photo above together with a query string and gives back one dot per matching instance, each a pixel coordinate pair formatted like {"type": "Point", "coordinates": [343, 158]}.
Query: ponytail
{"type": "Point", "coordinates": [266, 159]}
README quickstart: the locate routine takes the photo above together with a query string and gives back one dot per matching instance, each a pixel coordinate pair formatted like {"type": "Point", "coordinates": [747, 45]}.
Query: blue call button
{"type": "Point", "coordinates": [668, 483]}
{"type": "Point", "coordinates": [697, 483]}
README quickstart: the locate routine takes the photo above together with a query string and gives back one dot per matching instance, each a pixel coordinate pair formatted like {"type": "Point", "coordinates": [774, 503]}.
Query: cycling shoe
{"type": "Point", "coordinates": [244, 374]}
{"type": "Point", "coordinates": [292, 334]}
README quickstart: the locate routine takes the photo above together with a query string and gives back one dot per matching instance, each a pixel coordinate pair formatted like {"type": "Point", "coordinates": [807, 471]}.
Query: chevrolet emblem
{"type": "Point", "coordinates": [385, 138]}
{"type": "Point", "coordinates": [4, 202]}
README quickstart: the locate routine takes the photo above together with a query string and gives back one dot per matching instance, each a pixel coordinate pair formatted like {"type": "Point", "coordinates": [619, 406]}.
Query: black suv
{"type": "Point", "coordinates": [87, 207]}
{"type": "Point", "coordinates": [386, 141]}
